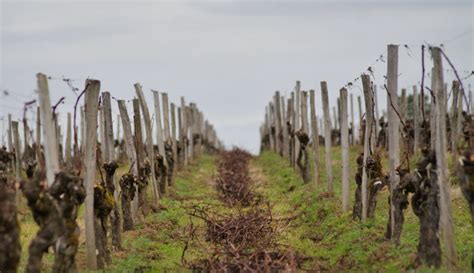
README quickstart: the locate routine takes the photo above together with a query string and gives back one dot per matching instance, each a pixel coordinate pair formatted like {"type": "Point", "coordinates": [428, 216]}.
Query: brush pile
{"type": "Point", "coordinates": [233, 178]}
{"type": "Point", "coordinates": [243, 239]}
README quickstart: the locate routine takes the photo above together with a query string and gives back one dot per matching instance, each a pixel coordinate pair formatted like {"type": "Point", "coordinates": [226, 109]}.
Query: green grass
{"type": "Point", "coordinates": [157, 244]}
{"type": "Point", "coordinates": [330, 239]}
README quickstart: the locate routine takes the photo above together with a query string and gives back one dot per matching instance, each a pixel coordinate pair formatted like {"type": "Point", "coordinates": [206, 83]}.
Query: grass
{"type": "Point", "coordinates": [330, 239]}
{"type": "Point", "coordinates": [157, 244]}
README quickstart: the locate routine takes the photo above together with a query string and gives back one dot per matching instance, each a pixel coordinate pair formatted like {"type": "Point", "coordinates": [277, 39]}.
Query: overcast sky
{"type": "Point", "coordinates": [229, 57]}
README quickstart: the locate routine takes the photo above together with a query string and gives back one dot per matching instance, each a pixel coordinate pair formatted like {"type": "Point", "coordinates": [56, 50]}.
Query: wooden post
{"type": "Point", "coordinates": [296, 127]}
{"type": "Point", "coordinates": [305, 128]}
{"type": "Point", "coordinates": [446, 217]}
{"type": "Point", "coordinates": [454, 116]}
{"type": "Point", "coordinates": [159, 128]}
{"type": "Point", "coordinates": [149, 139]}
{"type": "Point", "coordinates": [327, 136]}
{"type": "Point", "coordinates": [117, 135]}
{"type": "Point", "coordinates": [26, 135]}
{"type": "Point", "coordinates": [289, 124]}
{"type": "Point", "coordinates": [459, 120]}
{"type": "Point", "coordinates": [471, 108]}
{"type": "Point", "coordinates": [180, 139]}
{"type": "Point", "coordinates": [130, 148]}
{"type": "Point", "coordinates": [273, 131]}
{"type": "Point", "coordinates": [393, 124]}
{"type": "Point", "coordinates": [416, 118]}
{"type": "Point", "coordinates": [16, 142]}
{"type": "Point", "coordinates": [376, 107]}
{"type": "Point", "coordinates": [166, 116]}
{"type": "Point", "coordinates": [141, 193]}
{"type": "Point", "coordinates": [353, 127]}
{"type": "Point", "coordinates": [279, 144]}
{"type": "Point", "coordinates": [286, 142]}
{"type": "Point", "coordinates": [39, 156]}
{"type": "Point", "coordinates": [83, 129]}
{"type": "Point", "coordinates": [57, 132]}
{"type": "Point", "coordinates": [191, 119]}
{"type": "Point", "coordinates": [404, 105]}
{"type": "Point", "coordinates": [369, 139]}
{"type": "Point", "coordinates": [68, 141]}
{"type": "Point", "coordinates": [359, 102]}
{"type": "Point", "coordinates": [109, 153]}
{"type": "Point", "coordinates": [49, 134]}
{"type": "Point", "coordinates": [10, 138]}
{"type": "Point", "coordinates": [433, 112]}
{"type": "Point", "coordinates": [91, 109]}
{"type": "Point", "coordinates": [314, 135]}
{"type": "Point", "coordinates": [335, 119]}
{"type": "Point", "coordinates": [108, 141]}
{"type": "Point", "coordinates": [184, 132]}
{"type": "Point", "coordinates": [345, 150]}
{"type": "Point", "coordinates": [101, 131]}
{"type": "Point", "coordinates": [173, 137]}
{"type": "Point", "coordinates": [292, 114]}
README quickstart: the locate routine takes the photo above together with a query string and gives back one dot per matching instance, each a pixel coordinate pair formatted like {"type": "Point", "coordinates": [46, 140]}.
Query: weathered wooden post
{"type": "Point", "coordinates": [191, 118]}
{"type": "Point", "coordinates": [57, 131]}
{"type": "Point", "coordinates": [26, 137]}
{"type": "Point", "coordinates": [416, 119]}
{"type": "Point", "coordinates": [83, 130]}
{"type": "Point", "coordinates": [297, 119]}
{"type": "Point", "coordinates": [359, 102]}
{"type": "Point", "coordinates": [184, 132]}
{"type": "Point", "coordinates": [132, 157]}
{"type": "Point", "coordinates": [345, 150]}
{"type": "Point", "coordinates": [109, 153]}
{"type": "Point", "coordinates": [91, 109]}
{"type": "Point", "coordinates": [376, 107]}
{"type": "Point", "coordinates": [49, 134]}
{"type": "Point", "coordinates": [304, 141]}
{"type": "Point", "coordinates": [286, 141]}
{"type": "Point", "coordinates": [149, 138]}
{"type": "Point", "coordinates": [16, 142]}
{"type": "Point", "coordinates": [139, 149]}
{"type": "Point", "coordinates": [9, 132]}
{"type": "Point", "coordinates": [273, 121]}
{"type": "Point", "coordinates": [68, 141]}
{"type": "Point", "coordinates": [166, 116]}
{"type": "Point", "coordinates": [404, 105]}
{"type": "Point", "coordinates": [39, 156]}
{"type": "Point", "coordinates": [10, 138]}
{"type": "Point", "coordinates": [292, 119]}
{"type": "Point", "coordinates": [159, 128]}
{"type": "Point", "coordinates": [353, 127]}
{"type": "Point", "coordinates": [279, 135]}
{"type": "Point", "coordinates": [101, 131]}
{"type": "Point", "coordinates": [446, 217]}
{"type": "Point", "coordinates": [335, 119]}
{"type": "Point", "coordinates": [393, 124]}
{"type": "Point", "coordinates": [180, 138]}
{"type": "Point", "coordinates": [173, 137]}
{"type": "Point", "coordinates": [456, 119]}
{"type": "Point", "coordinates": [433, 112]}
{"type": "Point", "coordinates": [369, 139]}
{"type": "Point", "coordinates": [327, 136]}
{"type": "Point", "coordinates": [314, 135]}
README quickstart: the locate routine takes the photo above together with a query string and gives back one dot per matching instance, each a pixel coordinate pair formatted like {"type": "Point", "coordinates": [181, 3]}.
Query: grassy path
{"type": "Point", "coordinates": [157, 244]}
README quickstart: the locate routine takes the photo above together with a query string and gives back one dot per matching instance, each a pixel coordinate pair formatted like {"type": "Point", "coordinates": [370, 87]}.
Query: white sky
{"type": "Point", "coordinates": [227, 56]}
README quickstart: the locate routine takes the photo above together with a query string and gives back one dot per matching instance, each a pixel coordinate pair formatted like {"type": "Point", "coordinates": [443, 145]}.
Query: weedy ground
{"type": "Point", "coordinates": [310, 221]}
